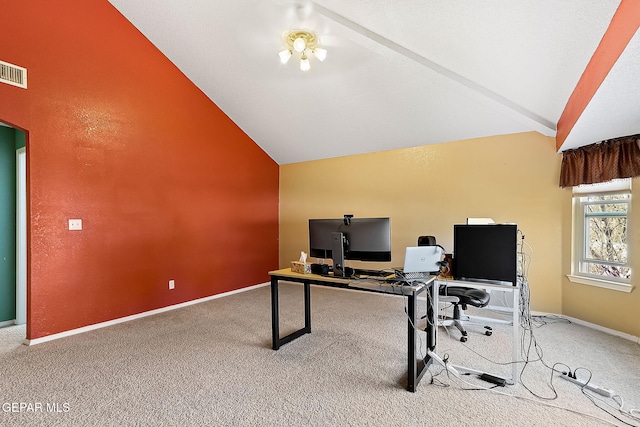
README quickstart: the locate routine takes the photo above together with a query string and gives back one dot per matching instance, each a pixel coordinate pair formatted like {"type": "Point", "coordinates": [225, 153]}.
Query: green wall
{"type": "Point", "coordinates": [20, 139]}
{"type": "Point", "coordinates": [10, 139]}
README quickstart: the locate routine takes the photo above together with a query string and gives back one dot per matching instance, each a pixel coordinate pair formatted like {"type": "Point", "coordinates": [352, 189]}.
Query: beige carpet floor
{"type": "Point", "coordinates": [211, 364]}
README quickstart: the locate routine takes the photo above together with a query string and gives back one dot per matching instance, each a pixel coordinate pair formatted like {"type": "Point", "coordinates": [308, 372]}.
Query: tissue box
{"type": "Point", "coordinates": [301, 267]}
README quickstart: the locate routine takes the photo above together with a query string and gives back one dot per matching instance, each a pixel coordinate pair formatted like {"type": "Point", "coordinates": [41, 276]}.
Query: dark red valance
{"type": "Point", "coordinates": [601, 162]}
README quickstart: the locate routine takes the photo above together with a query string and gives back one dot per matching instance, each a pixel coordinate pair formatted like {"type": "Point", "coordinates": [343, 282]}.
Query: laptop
{"type": "Point", "coordinates": [421, 262]}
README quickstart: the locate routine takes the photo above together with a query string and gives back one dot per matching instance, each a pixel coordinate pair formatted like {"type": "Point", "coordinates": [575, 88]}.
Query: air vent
{"type": "Point", "coordinates": [13, 75]}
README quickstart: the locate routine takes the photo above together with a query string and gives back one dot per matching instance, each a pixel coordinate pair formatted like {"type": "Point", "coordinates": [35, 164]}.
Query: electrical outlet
{"type": "Point", "coordinates": [75, 224]}
{"type": "Point", "coordinates": [172, 284]}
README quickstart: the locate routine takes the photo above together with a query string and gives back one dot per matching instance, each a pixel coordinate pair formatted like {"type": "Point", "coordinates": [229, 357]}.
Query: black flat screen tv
{"type": "Point", "coordinates": [486, 253]}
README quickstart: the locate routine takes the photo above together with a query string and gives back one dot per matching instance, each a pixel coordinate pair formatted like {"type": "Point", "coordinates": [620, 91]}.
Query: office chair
{"type": "Point", "coordinates": [464, 296]}
{"type": "Point", "coordinates": [460, 297]}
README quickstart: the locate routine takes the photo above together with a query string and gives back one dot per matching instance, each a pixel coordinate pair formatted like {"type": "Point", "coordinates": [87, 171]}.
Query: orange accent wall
{"type": "Point", "coordinates": [624, 24]}
{"type": "Point", "coordinates": [167, 186]}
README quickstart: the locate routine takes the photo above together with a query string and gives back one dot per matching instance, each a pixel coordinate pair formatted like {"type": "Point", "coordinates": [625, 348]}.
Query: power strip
{"type": "Point", "coordinates": [589, 386]}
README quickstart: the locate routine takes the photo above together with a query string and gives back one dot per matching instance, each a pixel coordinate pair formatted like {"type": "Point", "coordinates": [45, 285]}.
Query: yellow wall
{"type": "Point", "coordinates": [426, 190]}
{"type": "Point", "coordinates": [615, 310]}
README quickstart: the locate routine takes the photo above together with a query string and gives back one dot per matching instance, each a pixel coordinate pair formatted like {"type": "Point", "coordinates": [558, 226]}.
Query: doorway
{"type": "Point", "coordinates": [13, 232]}
{"type": "Point", "coordinates": [21, 236]}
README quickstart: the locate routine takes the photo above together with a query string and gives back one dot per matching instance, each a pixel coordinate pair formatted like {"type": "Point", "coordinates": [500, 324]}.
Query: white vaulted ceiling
{"type": "Point", "coordinates": [399, 73]}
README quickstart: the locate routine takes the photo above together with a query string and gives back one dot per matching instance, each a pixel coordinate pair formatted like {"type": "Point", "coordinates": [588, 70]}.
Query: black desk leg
{"type": "Point", "coordinates": [432, 317]}
{"type": "Point", "coordinates": [276, 341]}
{"type": "Point", "coordinates": [416, 368]}
{"type": "Point", "coordinates": [307, 307]}
{"type": "Point", "coordinates": [275, 319]}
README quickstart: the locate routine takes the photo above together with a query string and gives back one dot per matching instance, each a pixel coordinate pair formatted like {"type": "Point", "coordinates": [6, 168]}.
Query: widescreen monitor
{"type": "Point", "coordinates": [366, 239]}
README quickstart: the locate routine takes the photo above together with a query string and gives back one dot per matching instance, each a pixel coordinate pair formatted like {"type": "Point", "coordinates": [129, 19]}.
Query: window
{"type": "Point", "coordinates": [601, 229]}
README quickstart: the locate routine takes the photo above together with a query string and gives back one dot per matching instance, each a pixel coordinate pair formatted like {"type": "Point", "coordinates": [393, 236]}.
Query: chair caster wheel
{"type": "Point", "coordinates": [463, 339]}
{"type": "Point", "coordinates": [464, 333]}
{"type": "Point", "coordinates": [488, 333]}
{"type": "Point", "coordinates": [489, 328]}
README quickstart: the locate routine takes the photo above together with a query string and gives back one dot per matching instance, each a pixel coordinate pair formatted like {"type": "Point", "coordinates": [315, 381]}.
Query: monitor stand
{"type": "Point", "coordinates": [337, 251]}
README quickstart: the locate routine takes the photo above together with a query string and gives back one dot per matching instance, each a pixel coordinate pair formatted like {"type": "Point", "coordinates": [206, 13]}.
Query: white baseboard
{"type": "Point", "coordinates": [7, 323]}
{"type": "Point", "coordinates": [593, 326]}
{"type": "Point", "coordinates": [212, 297]}
{"type": "Point", "coordinates": [136, 316]}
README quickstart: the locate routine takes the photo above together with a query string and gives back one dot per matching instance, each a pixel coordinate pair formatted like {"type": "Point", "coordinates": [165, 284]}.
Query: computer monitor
{"type": "Point", "coordinates": [320, 236]}
{"type": "Point", "coordinates": [363, 239]}
{"type": "Point", "coordinates": [485, 252]}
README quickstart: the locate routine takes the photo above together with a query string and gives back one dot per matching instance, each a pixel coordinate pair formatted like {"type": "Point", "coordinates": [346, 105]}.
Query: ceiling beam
{"type": "Point", "coordinates": [623, 26]}
{"type": "Point", "coordinates": [483, 94]}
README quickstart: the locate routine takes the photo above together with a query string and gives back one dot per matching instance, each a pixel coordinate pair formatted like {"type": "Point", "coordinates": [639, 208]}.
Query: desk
{"type": "Point", "coordinates": [515, 321]}
{"type": "Point", "coordinates": [415, 368]}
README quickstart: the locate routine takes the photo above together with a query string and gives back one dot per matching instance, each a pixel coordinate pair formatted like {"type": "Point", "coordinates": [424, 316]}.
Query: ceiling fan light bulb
{"type": "Point", "coordinates": [304, 63]}
{"type": "Point", "coordinates": [299, 44]}
{"type": "Point", "coordinates": [285, 55]}
{"type": "Point", "coordinates": [320, 53]}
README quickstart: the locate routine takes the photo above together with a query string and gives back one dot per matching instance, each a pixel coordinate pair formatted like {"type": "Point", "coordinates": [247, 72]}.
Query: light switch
{"type": "Point", "coordinates": [75, 224]}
